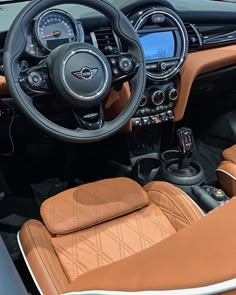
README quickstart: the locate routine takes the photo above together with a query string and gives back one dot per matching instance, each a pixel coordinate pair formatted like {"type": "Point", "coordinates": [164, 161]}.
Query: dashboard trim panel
{"type": "Point", "coordinates": [197, 63]}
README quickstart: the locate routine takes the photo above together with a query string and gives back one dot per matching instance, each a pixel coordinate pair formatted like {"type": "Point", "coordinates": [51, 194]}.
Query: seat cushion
{"type": "Point", "coordinates": [58, 260]}
{"type": "Point", "coordinates": [91, 204]}
{"type": "Point", "coordinates": [230, 154]}
{"type": "Point", "coordinates": [111, 241]}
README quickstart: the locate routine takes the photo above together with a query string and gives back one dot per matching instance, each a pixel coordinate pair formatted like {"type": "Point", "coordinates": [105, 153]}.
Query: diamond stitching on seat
{"type": "Point", "coordinates": [113, 240]}
{"type": "Point", "coordinates": [106, 199]}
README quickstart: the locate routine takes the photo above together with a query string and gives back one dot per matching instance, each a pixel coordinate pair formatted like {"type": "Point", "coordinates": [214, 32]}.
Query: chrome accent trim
{"type": "Point", "coordinates": [198, 34]}
{"type": "Point", "coordinates": [60, 11]}
{"type": "Point", "coordinates": [176, 97]}
{"type": "Point", "coordinates": [81, 97]}
{"type": "Point", "coordinates": [145, 102]}
{"type": "Point", "coordinates": [175, 71]}
{"type": "Point", "coordinates": [153, 97]}
{"type": "Point", "coordinates": [94, 39]}
{"type": "Point", "coordinates": [27, 264]}
{"type": "Point", "coordinates": [95, 42]}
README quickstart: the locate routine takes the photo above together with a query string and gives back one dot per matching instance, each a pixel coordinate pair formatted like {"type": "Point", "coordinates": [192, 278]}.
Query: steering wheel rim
{"type": "Point", "coordinates": [14, 50]}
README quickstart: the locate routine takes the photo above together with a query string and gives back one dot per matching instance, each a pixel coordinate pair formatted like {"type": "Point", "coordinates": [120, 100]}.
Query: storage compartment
{"type": "Point", "coordinates": [145, 170]}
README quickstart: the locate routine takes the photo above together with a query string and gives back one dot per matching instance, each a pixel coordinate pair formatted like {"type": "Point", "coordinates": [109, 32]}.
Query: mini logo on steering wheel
{"type": "Point", "coordinates": [85, 73]}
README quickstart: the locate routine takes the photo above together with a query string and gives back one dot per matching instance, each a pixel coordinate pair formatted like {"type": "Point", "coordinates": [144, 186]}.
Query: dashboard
{"type": "Point", "coordinates": [170, 40]}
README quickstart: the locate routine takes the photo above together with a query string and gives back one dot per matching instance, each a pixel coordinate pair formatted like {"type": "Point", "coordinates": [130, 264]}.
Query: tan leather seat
{"type": "Point", "coordinates": [226, 172]}
{"type": "Point", "coordinates": [97, 224]}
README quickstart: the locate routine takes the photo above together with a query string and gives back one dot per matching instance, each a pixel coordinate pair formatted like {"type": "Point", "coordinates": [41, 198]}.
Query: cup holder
{"type": "Point", "coordinates": [145, 170]}
{"type": "Point", "coordinates": [170, 155]}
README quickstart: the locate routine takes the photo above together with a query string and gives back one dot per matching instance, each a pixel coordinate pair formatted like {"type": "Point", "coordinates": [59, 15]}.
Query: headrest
{"type": "Point", "coordinates": [91, 204]}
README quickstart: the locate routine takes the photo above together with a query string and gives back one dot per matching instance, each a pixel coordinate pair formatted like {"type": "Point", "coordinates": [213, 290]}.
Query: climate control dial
{"type": "Point", "coordinates": [172, 93]}
{"type": "Point", "coordinates": [157, 97]}
{"type": "Point", "coordinates": [143, 101]}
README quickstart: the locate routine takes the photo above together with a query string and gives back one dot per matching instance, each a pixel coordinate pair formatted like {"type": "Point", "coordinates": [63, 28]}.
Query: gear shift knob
{"type": "Point", "coordinates": [186, 146]}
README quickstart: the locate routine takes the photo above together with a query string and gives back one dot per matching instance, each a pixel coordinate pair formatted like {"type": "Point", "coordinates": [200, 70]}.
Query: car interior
{"type": "Point", "coordinates": [117, 147]}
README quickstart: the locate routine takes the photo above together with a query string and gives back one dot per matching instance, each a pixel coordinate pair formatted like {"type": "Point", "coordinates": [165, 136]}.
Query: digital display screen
{"type": "Point", "coordinates": [158, 45]}
{"type": "Point", "coordinates": [52, 44]}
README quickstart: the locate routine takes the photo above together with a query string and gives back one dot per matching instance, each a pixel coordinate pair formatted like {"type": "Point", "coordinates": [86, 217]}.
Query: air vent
{"type": "Point", "coordinates": [194, 38]}
{"type": "Point", "coordinates": [105, 38]}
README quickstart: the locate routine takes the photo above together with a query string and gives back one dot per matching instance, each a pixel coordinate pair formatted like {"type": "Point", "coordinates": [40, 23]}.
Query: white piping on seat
{"type": "Point", "coordinates": [207, 290]}
{"type": "Point", "coordinates": [227, 173]}
{"type": "Point", "coordinates": [191, 200]}
{"type": "Point", "coordinates": [28, 266]}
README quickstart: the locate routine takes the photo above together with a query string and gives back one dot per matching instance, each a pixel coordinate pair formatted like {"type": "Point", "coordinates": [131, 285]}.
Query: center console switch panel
{"type": "Point", "coordinates": [157, 105]}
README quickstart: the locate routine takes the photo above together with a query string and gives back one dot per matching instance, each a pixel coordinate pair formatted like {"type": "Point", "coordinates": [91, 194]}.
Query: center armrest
{"type": "Point", "coordinates": [203, 254]}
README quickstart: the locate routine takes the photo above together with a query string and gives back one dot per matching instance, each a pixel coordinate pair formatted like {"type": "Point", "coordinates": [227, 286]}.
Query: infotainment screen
{"type": "Point", "coordinates": [158, 45]}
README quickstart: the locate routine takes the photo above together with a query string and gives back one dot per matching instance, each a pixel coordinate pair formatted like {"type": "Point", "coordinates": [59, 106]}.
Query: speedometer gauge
{"type": "Point", "coordinates": [54, 28]}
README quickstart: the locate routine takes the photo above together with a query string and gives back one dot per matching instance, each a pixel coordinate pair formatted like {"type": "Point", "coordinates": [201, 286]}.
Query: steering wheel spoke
{"type": "Point", "coordinates": [35, 80]}
{"type": "Point", "coordinates": [124, 67]}
{"type": "Point", "coordinates": [78, 73]}
{"type": "Point", "coordinates": [89, 119]}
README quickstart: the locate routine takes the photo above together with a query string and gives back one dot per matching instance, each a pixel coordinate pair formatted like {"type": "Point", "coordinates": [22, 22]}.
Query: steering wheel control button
{"type": "Point", "coordinates": [125, 65]}
{"type": "Point", "coordinates": [113, 61]}
{"type": "Point", "coordinates": [35, 80]}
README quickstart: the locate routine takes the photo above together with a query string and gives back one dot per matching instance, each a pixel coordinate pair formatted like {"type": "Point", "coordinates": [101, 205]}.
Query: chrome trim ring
{"type": "Point", "coordinates": [79, 36]}
{"type": "Point", "coordinates": [181, 27]}
{"type": "Point", "coordinates": [176, 97]}
{"type": "Point", "coordinates": [76, 95]}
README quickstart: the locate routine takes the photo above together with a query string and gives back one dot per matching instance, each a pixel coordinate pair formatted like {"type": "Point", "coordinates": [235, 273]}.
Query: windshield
{"type": "Point", "coordinates": [8, 11]}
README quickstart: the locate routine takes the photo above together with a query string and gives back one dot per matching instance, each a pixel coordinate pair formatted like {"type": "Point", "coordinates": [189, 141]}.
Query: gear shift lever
{"type": "Point", "coordinates": [186, 147]}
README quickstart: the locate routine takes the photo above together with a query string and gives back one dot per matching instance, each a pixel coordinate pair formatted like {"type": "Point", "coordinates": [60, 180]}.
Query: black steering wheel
{"type": "Point", "coordinates": [78, 72]}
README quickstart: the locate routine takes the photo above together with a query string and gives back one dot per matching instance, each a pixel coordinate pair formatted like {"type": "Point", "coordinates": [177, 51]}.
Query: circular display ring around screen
{"type": "Point", "coordinates": [175, 42]}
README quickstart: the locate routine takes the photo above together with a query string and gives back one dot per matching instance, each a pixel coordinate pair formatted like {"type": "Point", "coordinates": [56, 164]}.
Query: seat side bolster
{"type": "Point", "coordinates": [180, 209]}
{"type": "Point", "coordinates": [230, 154]}
{"type": "Point", "coordinates": [226, 174]}
{"type": "Point", "coordinates": [184, 260]}
{"type": "Point", "coordinates": [35, 242]}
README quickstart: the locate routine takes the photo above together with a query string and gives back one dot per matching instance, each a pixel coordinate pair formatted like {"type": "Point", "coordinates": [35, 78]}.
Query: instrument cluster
{"type": "Point", "coordinates": [51, 29]}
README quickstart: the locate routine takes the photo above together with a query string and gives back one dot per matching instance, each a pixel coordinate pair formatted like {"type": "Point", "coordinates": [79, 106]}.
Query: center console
{"type": "Point", "coordinates": [165, 44]}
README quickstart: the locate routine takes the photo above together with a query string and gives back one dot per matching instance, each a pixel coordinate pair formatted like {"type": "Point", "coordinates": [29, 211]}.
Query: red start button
{"type": "Point", "coordinates": [158, 18]}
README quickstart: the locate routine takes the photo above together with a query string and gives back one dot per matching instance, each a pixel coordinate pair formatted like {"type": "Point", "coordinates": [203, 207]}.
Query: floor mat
{"type": "Point", "coordinates": [47, 189]}
{"type": "Point", "coordinates": [209, 155]}
{"type": "Point", "coordinates": [14, 211]}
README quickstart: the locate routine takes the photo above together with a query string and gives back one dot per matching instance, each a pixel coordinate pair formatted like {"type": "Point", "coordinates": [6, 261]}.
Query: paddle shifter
{"type": "Point", "coordinates": [186, 147]}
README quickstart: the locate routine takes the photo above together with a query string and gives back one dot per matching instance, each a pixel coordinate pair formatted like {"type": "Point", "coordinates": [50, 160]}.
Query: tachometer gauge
{"type": "Point", "coordinates": [54, 28]}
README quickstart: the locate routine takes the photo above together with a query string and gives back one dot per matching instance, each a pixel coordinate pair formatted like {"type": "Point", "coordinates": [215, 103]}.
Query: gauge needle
{"type": "Point", "coordinates": [56, 33]}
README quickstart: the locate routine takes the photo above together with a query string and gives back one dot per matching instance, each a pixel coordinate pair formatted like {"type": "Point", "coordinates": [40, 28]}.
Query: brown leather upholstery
{"type": "Point", "coordinates": [125, 219]}
{"type": "Point", "coordinates": [201, 62]}
{"type": "Point", "coordinates": [230, 154]}
{"type": "Point", "coordinates": [91, 204]}
{"type": "Point", "coordinates": [3, 86]}
{"type": "Point", "coordinates": [199, 255]}
{"type": "Point", "coordinates": [226, 172]}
